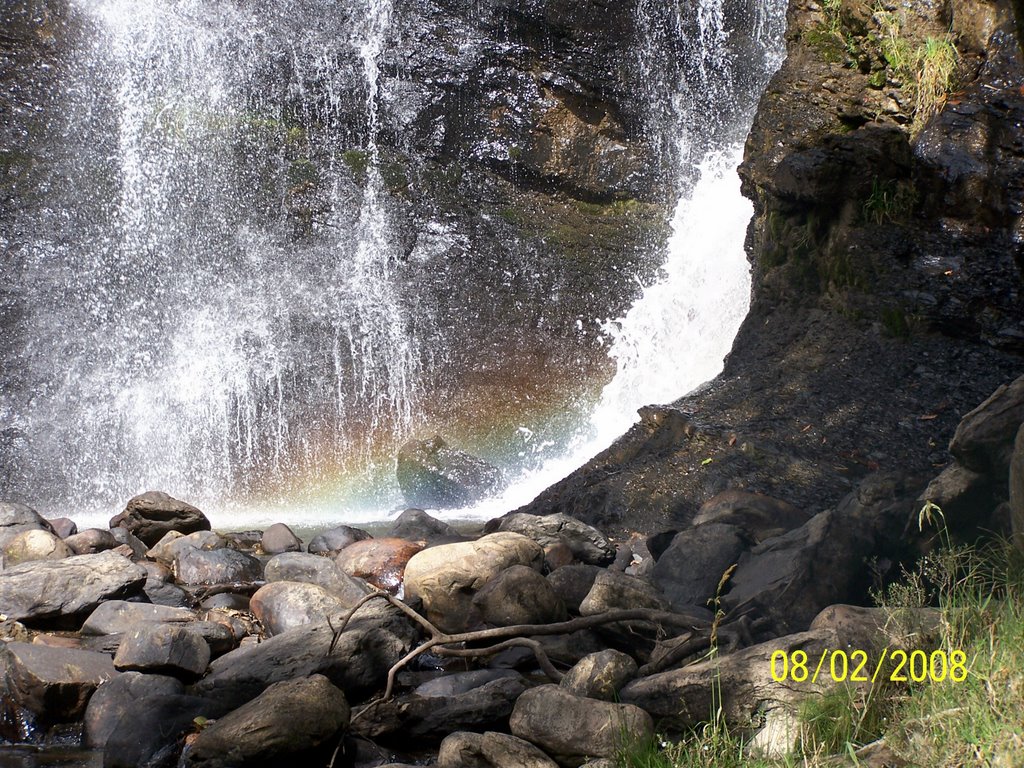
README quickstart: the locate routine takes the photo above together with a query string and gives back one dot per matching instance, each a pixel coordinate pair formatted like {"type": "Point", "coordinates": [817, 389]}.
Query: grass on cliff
{"type": "Point", "coordinates": [976, 722]}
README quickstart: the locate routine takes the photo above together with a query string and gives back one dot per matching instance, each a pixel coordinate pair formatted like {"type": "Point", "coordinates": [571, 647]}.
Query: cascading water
{"type": "Point", "coordinates": [215, 293]}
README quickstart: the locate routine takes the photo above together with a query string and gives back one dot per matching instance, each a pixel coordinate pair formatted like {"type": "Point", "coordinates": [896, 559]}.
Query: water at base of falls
{"type": "Point", "coordinates": [213, 299]}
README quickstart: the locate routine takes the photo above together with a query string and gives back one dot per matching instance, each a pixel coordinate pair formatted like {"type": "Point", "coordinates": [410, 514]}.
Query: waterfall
{"type": "Point", "coordinates": [218, 297]}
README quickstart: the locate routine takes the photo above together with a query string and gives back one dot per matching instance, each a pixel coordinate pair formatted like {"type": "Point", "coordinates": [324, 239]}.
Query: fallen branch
{"type": "Point", "coordinates": [521, 634]}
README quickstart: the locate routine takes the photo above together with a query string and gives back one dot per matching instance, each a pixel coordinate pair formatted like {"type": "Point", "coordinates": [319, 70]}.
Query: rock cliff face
{"type": "Point", "coordinates": [886, 165]}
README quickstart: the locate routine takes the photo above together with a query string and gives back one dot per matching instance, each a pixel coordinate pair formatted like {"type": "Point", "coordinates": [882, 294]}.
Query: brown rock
{"type": "Point", "coordinates": [152, 514]}
{"type": "Point", "coordinates": [381, 562]}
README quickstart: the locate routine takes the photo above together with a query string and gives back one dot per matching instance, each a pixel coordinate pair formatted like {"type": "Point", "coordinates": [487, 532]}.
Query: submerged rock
{"type": "Point", "coordinates": [433, 475]}
{"type": "Point", "coordinates": [150, 515]}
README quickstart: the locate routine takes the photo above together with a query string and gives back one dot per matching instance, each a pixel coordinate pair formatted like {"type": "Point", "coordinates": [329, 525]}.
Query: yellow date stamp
{"type": "Point", "coordinates": [856, 666]}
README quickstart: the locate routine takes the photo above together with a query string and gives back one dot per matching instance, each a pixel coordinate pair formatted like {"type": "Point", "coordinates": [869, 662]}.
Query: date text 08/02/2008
{"type": "Point", "coordinates": [856, 667]}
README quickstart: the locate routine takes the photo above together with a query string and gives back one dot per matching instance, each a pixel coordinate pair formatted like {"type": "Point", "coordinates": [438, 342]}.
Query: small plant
{"type": "Point", "coordinates": [936, 75]}
{"type": "Point", "coordinates": [889, 201]}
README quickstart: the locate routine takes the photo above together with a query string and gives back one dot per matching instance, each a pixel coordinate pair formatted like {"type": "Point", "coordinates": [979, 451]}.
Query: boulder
{"type": "Point", "coordinates": [446, 577]}
{"type": "Point", "coordinates": [600, 675]}
{"type": "Point", "coordinates": [790, 578]}
{"type": "Point", "coordinates": [313, 569]}
{"type": "Point", "coordinates": [279, 538]}
{"type": "Point", "coordinates": [465, 749]}
{"type": "Point", "coordinates": [571, 728]}
{"type": "Point", "coordinates": [433, 475]}
{"type": "Point", "coordinates": [126, 538]}
{"type": "Point", "coordinates": [983, 440]}
{"type": "Point", "coordinates": [33, 545]}
{"type": "Point", "coordinates": [118, 616]}
{"type": "Point", "coordinates": [218, 566]}
{"type": "Point", "coordinates": [150, 734]}
{"type": "Point", "coordinates": [90, 541]}
{"type": "Point", "coordinates": [417, 525]}
{"type": "Point", "coordinates": [294, 721]}
{"type": "Point", "coordinates": [219, 636]}
{"type": "Point", "coordinates": [519, 595]}
{"type": "Point", "coordinates": [119, 697]}
{"type": "Point", "coordinates": [1017, 490]}
{"type": "Point", "coordinates": [573, 583]}
{"type": "Point", "coordinates": [174, 543]}
{"type": "Point", "coordinates": [588, 544]}
{"type": "Point", "coordinates": [616, 591]}
{"type": "Point", "coordinates": [63, 526]}
{"type": "Point", "coordinates": [377, 636]}
{"type": "Point", "coordinates": [66, 590]}
{"type": "Point", "coordinates": [336, 539]}
{"type": "Point", "coordinates": [688, 572]}
{"type": "Point", "coordinates": [151, 515]}
{"type": "Point", "coordinates": [284, 605]}
{"type": "Point", "coordinates": [965, 497]}
{"type": "Point", "coordinates": [760, 517]}
{"type": "Point", "coordinates": [50, 685]}
{"type": "Point", "coordinates": [163, 649]}
{"type": "Point", "coordinates": [457, 683]}
{"type": "Point", "coordinates": [16, 518]}
{"type": "Point", "coordinates": [419, 718]}
{"type": "Point", "coordinates": [380, 562]}
{"type": "Point", "coordinates": [161, 592]}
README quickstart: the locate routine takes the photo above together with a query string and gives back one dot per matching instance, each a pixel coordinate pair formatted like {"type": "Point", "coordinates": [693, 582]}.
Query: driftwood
{"type": "Point", "coordinates": [701, 635]}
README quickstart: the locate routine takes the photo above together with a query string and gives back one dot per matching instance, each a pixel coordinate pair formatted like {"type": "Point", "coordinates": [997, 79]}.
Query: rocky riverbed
{"type": "Point", "coordinates": [535, 641]}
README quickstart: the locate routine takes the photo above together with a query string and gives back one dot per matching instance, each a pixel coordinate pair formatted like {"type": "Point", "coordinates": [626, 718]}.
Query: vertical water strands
{"type": "Point", "coordinates": [210, 291]}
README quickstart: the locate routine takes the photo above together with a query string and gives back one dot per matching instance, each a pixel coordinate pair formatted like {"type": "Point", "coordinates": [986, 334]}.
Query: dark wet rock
{"type": "Point", "coordinates": [293, 720]}
{"type": "Point", "coordinates": [380, 562]}
{"type": "Point", "coordinates": [284, 605]}
{"type": "Point", "coordinates": [280, 538]}
{"type": "Point", "coordinates": [600, 675]}
{"type": "Point", "coordinates": [67, 590]}
{"type": "Point", "coordinates": [16, 518]}
{"type": "Point", "coordinates": [433, 717]}
{"type": "Point", "coordinates": [465, 749]}
{"type": "Point", "coordinates": [151, 515]}
{"type": "Point", "coordinates": [571, 728]}
{"type": "Point", "coordinates": [615, 591]}
{"type": "Point", "coordinates": [983, 440]}
{"type": "Point", "coordinates": [573, 583]}
{"type": "Point", "coordinates": [219, 566]}
{"type": "Point", "coordinates": [1017, 490]}
{"type": "Point", "coordinates": [163, 649]}
{"type": "Point", "coordinates": [217, 635]}
{"type": "Point", "coordinates": [336, 539]}
{"type": "Point", "coordinates": [689, 571]}
{"type": "Point", "coordinates": [151, 734]}
{"type": "Point", "coordinates": [376, 637]}
{"type": "Point", "coordinates": [432, 475]}
{"type": "Point", "coordinates": [417, 525]}
{"type": "Point", "coordinates": [446, 577]}
{"type": "Point", "coordinates": [63, 526]}
{"type": "Point", "coordinates": [51, 685]}
{"type": "Point", "coordinates": [826, 555]}
{"type": "Point", "coordinates": [119, 697]}
{"type": "Point", "coordinates": [90, 541]}
{"type": "Point", "coordinates": [126, 538]}
{"type": "Point", "coordinates": [587, 543]}
{"type": "Point", "coordinates": [118, 616]}
{"type": "Point", "coordinates": [759, 517]}
{"type": "Point", "coordinates": [163, 593]}
{"type": "Point", "coordinates": [314, 569]}
{"type": "Point", "coordinates": [519, 595]}
{"type": "Point", "coordinates": [30, 546]}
